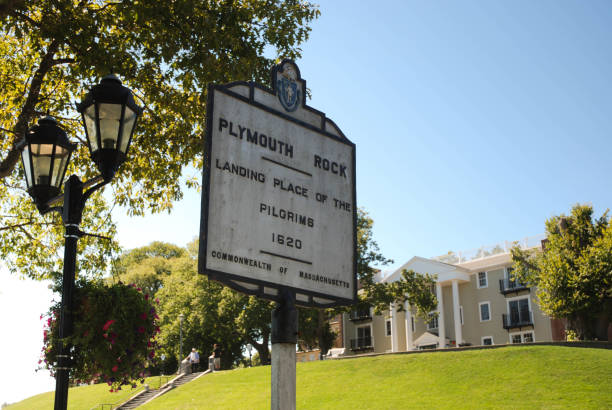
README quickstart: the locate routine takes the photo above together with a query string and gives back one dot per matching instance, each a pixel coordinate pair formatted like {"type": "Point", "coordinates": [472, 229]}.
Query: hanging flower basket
{"type": "Point", "coordinates": [113, 337]}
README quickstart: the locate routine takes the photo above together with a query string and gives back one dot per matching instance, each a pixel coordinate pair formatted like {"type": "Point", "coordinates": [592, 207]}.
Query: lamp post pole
{"type": "Point", "coordinates": [72, 213]}
{"type": "Point", "coordinates": [181, 318]}
{"type": "Point", "coordinates": [109, 116]}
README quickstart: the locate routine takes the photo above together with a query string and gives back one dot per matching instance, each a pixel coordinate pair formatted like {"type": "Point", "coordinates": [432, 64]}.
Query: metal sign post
{"type": "Point", "coordinates": [284, 339]}
{"type": "Point", "coordinates": [278, 207]}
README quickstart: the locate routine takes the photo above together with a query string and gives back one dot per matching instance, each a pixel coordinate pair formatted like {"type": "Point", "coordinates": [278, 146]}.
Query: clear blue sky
{"type": "Point", "coordinates": [474, 122]}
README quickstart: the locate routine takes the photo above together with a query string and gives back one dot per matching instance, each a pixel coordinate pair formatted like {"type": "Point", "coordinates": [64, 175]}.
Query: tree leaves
{"type": "Point", "coordinates": [52, 52]}
{"type": "Point", "coordinates": [573, 273]}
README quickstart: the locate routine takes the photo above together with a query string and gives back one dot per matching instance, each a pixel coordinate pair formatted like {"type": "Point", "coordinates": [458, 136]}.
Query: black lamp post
{"type": "Point", "coordinates": [181, 318]}
{"type": "Point", "coordinates": [109, 115]}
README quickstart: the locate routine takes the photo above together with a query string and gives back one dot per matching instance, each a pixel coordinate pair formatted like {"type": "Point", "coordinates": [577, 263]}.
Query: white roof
{"type": "Point", "coordinates": [428, 339]}
{"type": "Point", "coordinates": [443, 271]}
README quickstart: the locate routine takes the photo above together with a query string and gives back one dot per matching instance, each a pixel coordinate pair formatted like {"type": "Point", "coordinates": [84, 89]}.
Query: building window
{"type": "Point", "coordinates": [485, 311]}
{"type": "Point", "coordinates": [433, 321]}
{"type": "Point", "coordinates": [487, 341]}
{"type": "Point", "coordinates": [412, 322]}
{"type": "Point", "coordinates": [388, 327]}
{"type": "Point", "coordinates": [523, 337]}
{"type": "Point", "coordinates": [461, 314]}
{"type": "Point", "coordinates": [482, 280]}
{"type": "Point", "coordinates": [519, 311]}
{"type": "Point", "coordinates": [364, 338]}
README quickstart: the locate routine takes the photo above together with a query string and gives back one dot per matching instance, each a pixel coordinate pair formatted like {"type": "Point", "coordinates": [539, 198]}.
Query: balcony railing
{"type": "Point", "coordinates": [510, 286]}
{"type": "Point", "coordinates": [490, 250]}
{"type": "Point", "coordinates": [361, 343]}
{"type": "Point", "coordinates": [520, 319]}
{"type": "Point", "coordinates": [357, 315]}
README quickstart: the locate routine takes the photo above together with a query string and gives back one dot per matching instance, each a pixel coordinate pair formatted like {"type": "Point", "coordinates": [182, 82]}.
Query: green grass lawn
{"type": "Point", "coordinates": [550, 377]}
{"type": "Point", "coordinates": [85, 397]}
{"type": "Point", "coordinates": [513, 377]}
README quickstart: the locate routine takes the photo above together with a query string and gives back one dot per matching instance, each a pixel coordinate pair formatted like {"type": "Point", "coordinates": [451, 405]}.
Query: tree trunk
{"type": "Point", "coordinates": [262, 349]}
{"type": "Point", "coordinates": [582, 325]}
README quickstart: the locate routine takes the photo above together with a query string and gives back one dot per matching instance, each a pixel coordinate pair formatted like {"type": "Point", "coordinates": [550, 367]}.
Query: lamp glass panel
{"type": "Point", "coordinates": [41, 160]}
{"type": "Point", "coordinates": [61, 156]}
{"type": "Point", "coordinates": [25, 158]}
{"type": "Point", "coordinates": [90, 124]}
{"type": "Point", "coordinates": [110, 118]}
{"type": "Point", "coordinates": [129, 121]}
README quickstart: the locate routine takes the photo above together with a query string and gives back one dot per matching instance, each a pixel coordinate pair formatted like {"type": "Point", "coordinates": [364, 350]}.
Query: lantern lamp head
{"type": "Point", "coordinates": [109, 115]}
{"type": "Point", "coordinates": [45, 153]}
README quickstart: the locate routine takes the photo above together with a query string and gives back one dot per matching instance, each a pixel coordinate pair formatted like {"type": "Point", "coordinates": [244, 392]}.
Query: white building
{"type": "Point", "coordinates": [478, 304]}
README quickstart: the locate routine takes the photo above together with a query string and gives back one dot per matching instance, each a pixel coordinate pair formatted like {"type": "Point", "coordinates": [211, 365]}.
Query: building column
{"type": "Point", "coordinates": [441, 328]}
{"type": "Point", "coordinates": [394, 338]}
{"type": "Point", "coordinates": [409, 343]}
{"type": "Point", "coordinates": [457, 314]}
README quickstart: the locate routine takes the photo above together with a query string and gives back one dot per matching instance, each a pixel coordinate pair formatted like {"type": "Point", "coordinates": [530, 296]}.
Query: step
{"type": "Point", "coordinates": [144, 397]}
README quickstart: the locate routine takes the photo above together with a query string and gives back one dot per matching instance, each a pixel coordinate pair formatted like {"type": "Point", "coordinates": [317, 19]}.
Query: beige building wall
{"type": "Point", "coordinates": [470, 297]}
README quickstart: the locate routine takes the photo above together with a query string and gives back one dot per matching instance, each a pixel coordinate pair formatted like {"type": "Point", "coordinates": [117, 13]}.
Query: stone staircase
{"type": "Point", "coordinates": [148, 395]}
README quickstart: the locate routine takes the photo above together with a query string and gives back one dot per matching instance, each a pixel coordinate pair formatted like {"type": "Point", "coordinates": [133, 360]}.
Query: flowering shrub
{"type": "Point", "coordinates": [113, 337]}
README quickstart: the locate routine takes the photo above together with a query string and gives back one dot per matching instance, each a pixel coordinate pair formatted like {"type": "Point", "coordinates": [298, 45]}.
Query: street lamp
{"type": "Point", "coordinates": [181, 318]}
{"type": "Point", "coordinates": [45, 153]}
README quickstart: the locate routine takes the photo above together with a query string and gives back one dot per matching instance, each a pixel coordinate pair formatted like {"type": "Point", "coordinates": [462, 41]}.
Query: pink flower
{"type": "Point", "coordinates": [119, 359]}
{"type": "Point", "coordinates": [152, 354]}
{"type": "Point", "coordinates": [115, 368]}
{"type": "Point", "coordinates": [107, 324]}
{"type": "Point", "coordinates": [41, 316]}
{"type": "Point", "coordinates": [146, 296]}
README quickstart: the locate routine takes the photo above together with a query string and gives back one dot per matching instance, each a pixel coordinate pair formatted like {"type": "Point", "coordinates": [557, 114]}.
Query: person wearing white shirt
{"type": "Point", "coordinates": [194, 359]}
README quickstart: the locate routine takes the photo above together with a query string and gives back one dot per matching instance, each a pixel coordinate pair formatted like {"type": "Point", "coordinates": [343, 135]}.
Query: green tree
{"type": "Point", "coordinates": [573, 273]}
{"type": "Point", "coordinates": [206, 318]}
{"type": "Point", "coordinates": [147, 266]}
{"type": "Point", "coordinates": [166, 52]}
{"type": "Point", "coordinates": [213, 313]}
{"type": "Point", "coordinates": [314, 330]}
{"type": "Point", "coordinates": [412, 287]}
{"type": "Point", "coordinates": [250, 320]}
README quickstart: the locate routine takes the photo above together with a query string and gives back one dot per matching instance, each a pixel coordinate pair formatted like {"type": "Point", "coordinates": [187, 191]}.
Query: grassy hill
{"type": "Point", "coordinates": [85, 397]}
{"type": "Point", "coordinates": [509, 377]}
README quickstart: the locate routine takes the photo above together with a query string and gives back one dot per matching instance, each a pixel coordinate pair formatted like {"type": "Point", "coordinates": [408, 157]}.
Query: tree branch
{"type": "Point", "coordinates": [6, 228]}
{"type": "Point", "coordinates": [5, 130]}
{"type": "Point", "coordinates": [26, 18]}
{"type": "Point", "coordinates": [59, 61]}
{"type": "Point", "coordinates": [8, 163]}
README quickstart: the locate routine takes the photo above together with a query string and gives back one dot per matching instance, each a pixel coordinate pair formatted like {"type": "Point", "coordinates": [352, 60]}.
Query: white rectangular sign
{"type": "Point", "coordinates": [280, 201]}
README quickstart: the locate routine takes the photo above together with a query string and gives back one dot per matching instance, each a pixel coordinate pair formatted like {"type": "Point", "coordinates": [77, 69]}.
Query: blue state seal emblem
{"type": "Point", "coordinates": [288, 88]}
